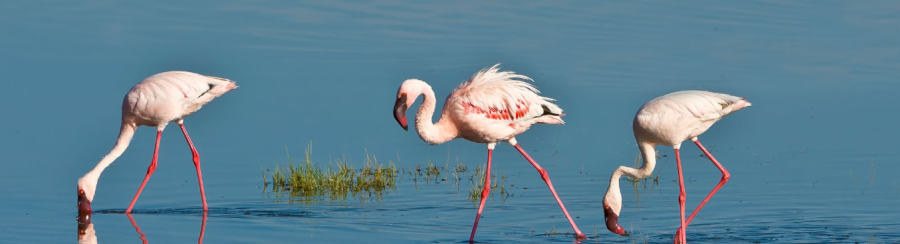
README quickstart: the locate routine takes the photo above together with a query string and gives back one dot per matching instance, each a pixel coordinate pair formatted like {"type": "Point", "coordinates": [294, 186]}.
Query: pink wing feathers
{"type": "Point", "coordinates": [502, 96]}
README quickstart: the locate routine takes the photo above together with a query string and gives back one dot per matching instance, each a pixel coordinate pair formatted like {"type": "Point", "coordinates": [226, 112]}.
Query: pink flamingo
{"type": "Point", "coordinates": [669, 120]}
{"type": "Point", "coordinates": [159, 99]}
{"type": "Point", "coordinates": [492, 106]}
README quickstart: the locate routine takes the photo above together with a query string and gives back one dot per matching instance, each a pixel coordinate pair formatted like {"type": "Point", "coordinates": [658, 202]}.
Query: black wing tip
{"type": "Point", "coordinates": [547, 111]}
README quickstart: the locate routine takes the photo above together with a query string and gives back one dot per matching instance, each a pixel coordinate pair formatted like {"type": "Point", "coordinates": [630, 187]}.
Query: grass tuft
{"type": "Point", "coordinates": [476, 180]}
{"type": "Point", "coordinates": [307, 181]}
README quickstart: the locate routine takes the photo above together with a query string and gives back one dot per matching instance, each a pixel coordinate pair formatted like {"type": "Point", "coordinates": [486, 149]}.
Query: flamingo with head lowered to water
{"type": "Point", "coordinates": [670, 120]}
{"type": "Point", "coordinates": [156, 101]}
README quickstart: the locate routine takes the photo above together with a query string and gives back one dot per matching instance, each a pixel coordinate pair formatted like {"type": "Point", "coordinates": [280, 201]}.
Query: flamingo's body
{"type": "Point", "coordinates": [159, 99]}
{"type": "Point", "coordinates": [669, 120]}
{"type": "Point", "coordinates": [493, 106]}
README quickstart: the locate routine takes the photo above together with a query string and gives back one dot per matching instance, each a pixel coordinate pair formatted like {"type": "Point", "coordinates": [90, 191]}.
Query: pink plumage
{"type": "Point", "coordinates": [669, 120]}
{"type": "Point", "coordinates": [156, 101]}
{"type": "Point", "coordinates": [492, 106]}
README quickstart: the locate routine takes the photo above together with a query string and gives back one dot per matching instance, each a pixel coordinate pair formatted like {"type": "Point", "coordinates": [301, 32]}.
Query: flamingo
{"type": "Point", "coordinates": [493, 106]}
{"type": "Point", "coordinates": [159, 99]}
{"type": "Point", "coordinates": [670, 120]}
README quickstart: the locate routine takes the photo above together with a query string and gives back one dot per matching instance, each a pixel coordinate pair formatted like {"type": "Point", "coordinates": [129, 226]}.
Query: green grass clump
{"type": "Point", "coordinates": [476, 180]}
{"type": "Point", "coordinates": [307, 181]}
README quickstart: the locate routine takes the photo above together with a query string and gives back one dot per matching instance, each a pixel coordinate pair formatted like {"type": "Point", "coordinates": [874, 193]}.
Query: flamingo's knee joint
{"type": "Point", "coordinates": [544, 175]}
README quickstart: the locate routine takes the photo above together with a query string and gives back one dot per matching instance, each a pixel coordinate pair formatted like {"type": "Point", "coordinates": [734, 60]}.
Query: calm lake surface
{"type": "Point", "coordinates": [814, 160]}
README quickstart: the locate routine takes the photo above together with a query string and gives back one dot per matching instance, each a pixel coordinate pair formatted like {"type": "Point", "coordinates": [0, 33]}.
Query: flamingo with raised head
{"type": "Point", "coordinates": [670, 120]}
{"type": "Point", "coordinates": [493, 106]}
{"type": "Point", "coordinates": [156, 101]}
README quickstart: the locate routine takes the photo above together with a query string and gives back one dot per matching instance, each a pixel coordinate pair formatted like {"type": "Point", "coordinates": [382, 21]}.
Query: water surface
{"type": "Point", "coordinates": [813, 161]}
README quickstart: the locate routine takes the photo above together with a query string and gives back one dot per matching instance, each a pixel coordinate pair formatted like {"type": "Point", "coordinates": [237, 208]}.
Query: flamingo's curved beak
{"type": "Point", "coordinates": [400, 111]}
{"type": "Point", "coordinates": [84, 205]}
{"type": "Point", "coordinates": [612, 221]}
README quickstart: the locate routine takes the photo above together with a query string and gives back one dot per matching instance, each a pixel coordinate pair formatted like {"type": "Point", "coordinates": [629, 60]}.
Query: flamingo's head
{"type": "Point", "coordinates": [612, 206]}
{"type": "Point", "coordinates": [407, 94]}
{"type": "Point", "coordinates": [86, 188]}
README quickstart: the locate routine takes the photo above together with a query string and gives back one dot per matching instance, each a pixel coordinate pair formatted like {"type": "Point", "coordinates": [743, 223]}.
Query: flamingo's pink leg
{"type": "Point", "coordinates": [150, 171]}
{"type": "Point", "coordinates": [484, 194]}
{"type": "Point", "coordinates": [725, 177]}
{"type": "Point", "coordinates": [137, 228]}
{"type": "Point", "coordinates": [196, 165]}
{"type": "Point", "coordinates": [546, 178]}
{"type": "Point", "coordinates": [202, 228]}
{"type": "Point", "coordinates": [681, 198]}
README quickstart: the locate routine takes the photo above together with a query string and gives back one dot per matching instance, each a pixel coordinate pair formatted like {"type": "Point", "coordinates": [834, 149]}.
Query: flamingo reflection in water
{"type": "Point", "coordinates": [87, 234]}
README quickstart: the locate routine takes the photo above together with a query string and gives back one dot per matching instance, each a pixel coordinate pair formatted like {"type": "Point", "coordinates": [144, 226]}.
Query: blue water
{"type": "Point", "coordinates": [813, 161]}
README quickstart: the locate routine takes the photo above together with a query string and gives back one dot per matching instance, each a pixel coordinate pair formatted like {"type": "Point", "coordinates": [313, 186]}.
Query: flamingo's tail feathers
{"type": "Point", "coordinates": [735, 106]}
{"type": "Point", "coordinates": [550, 108]}
{"type": "Point", "coordinates": [551, 119]}
{"type": "Point", "coordinates": [548, 111]}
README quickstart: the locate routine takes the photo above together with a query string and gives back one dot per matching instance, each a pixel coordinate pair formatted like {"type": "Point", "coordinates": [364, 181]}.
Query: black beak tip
{"type": "Point", "coordinates": [625, 233]}
{"type": "Point", "coordinates": [400, 111]}
{"type": "Point", "coordinates": [84, 205]}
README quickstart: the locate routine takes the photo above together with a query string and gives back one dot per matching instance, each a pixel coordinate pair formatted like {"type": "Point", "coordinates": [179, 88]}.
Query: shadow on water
{"type": "Point", "coordinates": [87, 234]}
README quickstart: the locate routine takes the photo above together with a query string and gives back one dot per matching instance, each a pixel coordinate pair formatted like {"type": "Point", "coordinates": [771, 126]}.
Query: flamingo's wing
{"type": "Point", "coordinates": [704, 105]}
{"type": "Point", "coordinates": [502, 96]}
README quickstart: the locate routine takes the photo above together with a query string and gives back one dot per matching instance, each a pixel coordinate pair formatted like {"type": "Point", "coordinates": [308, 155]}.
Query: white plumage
{"type": "Point", "coordinates": [670, 120]}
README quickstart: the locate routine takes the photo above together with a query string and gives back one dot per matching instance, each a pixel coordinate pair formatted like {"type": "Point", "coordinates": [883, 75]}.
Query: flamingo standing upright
{"type": "Point", "coordinates": [159, 99]}
{"type": "Point", "coordinates": [670, 120]}
{"type": "Point", "coordinates": [492, 106]}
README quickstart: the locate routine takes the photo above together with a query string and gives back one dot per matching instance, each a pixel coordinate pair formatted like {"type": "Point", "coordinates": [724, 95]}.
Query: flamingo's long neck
{"type": "Point", "coordinates": [433, 133]}
{"type": "Point", "coordinates": [125, 134]}
{"type": "Point", "coordinates": [648, 156]}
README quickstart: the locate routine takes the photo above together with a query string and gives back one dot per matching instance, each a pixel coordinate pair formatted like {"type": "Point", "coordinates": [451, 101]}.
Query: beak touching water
{"type": "Point", "coordinates": [84, 205]}
{"type": "Point", "coordinates": [612, 221]}
{"type": "Point", "coordinates": [400, 111]}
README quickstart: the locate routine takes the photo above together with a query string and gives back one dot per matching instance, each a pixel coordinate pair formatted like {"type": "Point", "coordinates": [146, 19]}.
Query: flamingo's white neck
{"type": "Point", "coordinates": [433, 133]}
{"type": "Point", "coordinates": [613, 194]}
{"type": "Point", "coordinates": [88, 182]}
